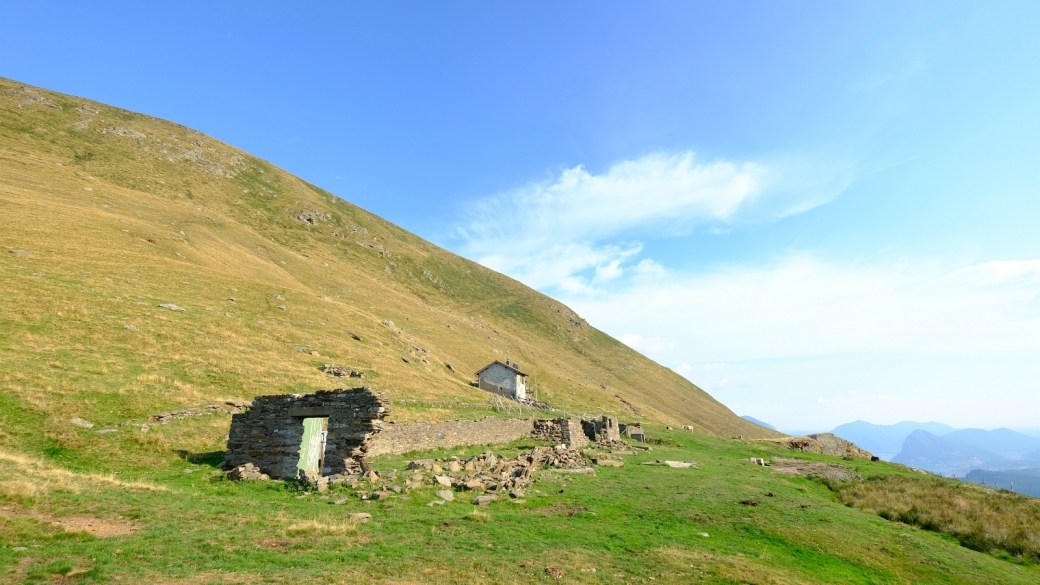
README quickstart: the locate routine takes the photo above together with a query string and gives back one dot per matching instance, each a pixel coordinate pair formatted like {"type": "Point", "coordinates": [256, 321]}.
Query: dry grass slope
{"type": "Point", "coordinates": [981, 518]}
{"type": "Point", "coordinates": [106, 214]}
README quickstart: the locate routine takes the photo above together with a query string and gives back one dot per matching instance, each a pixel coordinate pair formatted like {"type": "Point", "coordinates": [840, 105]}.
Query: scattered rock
{"type": "Point", "coordinates": [315, 353]}
{"type": "Point", "coordinates": [380, 496]}
{"type": "Point", "coordinates": [82, 423]}
{"type": "Point", "coordinates": [354, 336]}
{"type": "Point", "coordinates": [446, 495]}
{"type": "Point", "coordinates": [105, 431]}
{"type": "Point", "coordinates": [436, 503]}
{"type": "Point", "coordinates": [171, 307]}
{"type": "Point", "coordinates": [312, 216]}
{"type": "Point", "coordinates": [680, 464]}
{"type": "Point", "coordinates": [340, 501]}
{"type": "Point", "coordinates": [608, 462]}
{"type": "Point", "coordinates": [447, 365]}
{"type": "Point", "coordinates": [443, 480]}
{"type": "Point", "coordinates": [360, 517]}
{"type": "Point", "coordinates": [230, 407]}
{"type": "Point", "coordinates": [749, 503]}
{"type": "Point", "coordinates": [341, 372]}
{"type": "Point", "coordinates": [484, 500]}
{"type": "Point", "coordinates": [130, 327]}
{"type": "Point", "coordinates": [18, 252]}
{"type": "Point", "coordinates": [247, 471]}
{"type": "Point", "coordinates": [554, 572]}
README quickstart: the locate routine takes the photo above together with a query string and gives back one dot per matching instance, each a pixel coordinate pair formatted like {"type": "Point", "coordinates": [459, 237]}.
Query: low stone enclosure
{"type": "Point", "coordinates": [334, 431]}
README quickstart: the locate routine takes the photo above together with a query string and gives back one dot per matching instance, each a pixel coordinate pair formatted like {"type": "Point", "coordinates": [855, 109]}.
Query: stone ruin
{"type": "Point", "coordinates": [270, 434]}
{"type": "Point", "coordinates": [340, 428]}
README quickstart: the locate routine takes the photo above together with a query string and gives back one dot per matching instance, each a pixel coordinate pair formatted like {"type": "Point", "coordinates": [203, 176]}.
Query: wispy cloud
{"type": "Point", "coordinates": [548, 234]}
{"type": "Point", "coordinates": [805, 307]}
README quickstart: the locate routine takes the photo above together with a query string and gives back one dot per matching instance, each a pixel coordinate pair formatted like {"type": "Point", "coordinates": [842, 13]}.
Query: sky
{"type": "Point", "coordinates": [819, 212]}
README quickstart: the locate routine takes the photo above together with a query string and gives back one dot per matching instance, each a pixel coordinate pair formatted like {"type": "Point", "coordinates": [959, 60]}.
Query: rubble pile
{"type": "Point", "coordinates": [341, 372]}
{"type": "Point", "coordinates": [247, 471]}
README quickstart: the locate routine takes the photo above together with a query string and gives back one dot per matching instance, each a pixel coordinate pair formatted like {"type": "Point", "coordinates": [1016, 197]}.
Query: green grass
{"type": "Point", "coordinates": [638, 522]}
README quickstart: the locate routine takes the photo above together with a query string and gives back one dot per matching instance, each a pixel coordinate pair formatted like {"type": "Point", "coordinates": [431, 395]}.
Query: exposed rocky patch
{"type": "Point", "coordinates": [230, 407]}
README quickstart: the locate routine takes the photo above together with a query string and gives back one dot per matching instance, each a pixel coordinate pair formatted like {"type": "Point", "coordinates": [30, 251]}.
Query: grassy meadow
{"type": "Point", "coordinates": [168, 516]}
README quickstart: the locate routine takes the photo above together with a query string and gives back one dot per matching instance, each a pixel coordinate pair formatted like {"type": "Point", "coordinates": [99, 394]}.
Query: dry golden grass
{"type": "Point", "coordinates": [119, 212]}
{"type": "Point", "coordinates": [26, 478]}
{"type": "Point", "coordinates": [980, 518]}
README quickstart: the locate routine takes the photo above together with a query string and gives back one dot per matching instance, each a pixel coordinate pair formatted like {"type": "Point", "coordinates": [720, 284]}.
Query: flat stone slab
{"type": "Point", "coordinates": [446, 495]}
{"type": "Point", "coordinates": [360, 517]}
{"type": "Point", "coordinates": [443, 480]}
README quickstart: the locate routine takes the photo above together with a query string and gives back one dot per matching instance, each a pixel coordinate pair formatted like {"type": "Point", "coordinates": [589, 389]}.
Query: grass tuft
{"type": "Point", "coordinates": [478, 516]}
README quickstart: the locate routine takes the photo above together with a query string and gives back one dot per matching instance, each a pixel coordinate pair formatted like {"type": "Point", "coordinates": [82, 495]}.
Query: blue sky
{"type": "Point", "coordinates": [817, 211]}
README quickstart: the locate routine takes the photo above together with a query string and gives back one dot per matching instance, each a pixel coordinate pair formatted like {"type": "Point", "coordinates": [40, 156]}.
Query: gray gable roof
{"type": "Point", "coordinates": [481, 370]}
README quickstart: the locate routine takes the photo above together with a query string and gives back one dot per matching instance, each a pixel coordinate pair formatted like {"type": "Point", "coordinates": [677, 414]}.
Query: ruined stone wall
{"type": "Point", "coordinates": [605, 429]}
{"type": "Point", "coordinates": [268, 435]}
{"type": "Point", "coordinates": [397, 438]}
{"type": "Point", "coordinates": [566, 431]}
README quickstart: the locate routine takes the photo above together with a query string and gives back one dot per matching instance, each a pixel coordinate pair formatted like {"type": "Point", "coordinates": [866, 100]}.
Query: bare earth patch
{"type": "Point", "coordinates": [99, 527]}
{"type": "Point", "coordinates": [833, 471]}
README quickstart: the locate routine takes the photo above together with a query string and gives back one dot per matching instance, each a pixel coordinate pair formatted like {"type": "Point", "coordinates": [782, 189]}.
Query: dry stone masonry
{"type": "Point", "coordinates": [270, 433]}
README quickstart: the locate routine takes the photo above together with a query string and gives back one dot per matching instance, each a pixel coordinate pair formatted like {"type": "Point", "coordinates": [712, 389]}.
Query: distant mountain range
{"type": "Point", "coordinates": [758, 422]}
{"type": "Point", "coordinates": [940, 448]}
{"type": "Point", "coordinates": [886, 440]}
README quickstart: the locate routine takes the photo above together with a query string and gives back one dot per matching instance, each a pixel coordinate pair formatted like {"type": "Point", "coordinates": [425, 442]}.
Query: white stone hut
{"type": "Point", "coordinates": [504, 379]}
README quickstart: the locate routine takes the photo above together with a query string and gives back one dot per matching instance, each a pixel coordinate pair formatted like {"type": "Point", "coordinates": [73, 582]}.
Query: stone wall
{"type": "Point", "coordinates": [566, 431]}
{"type": "Point", "coordinates": [397, 438]}
{"type": "Point", "coordinates": [604, 430]}
{"type": "Point", "coordinates": [268, 435]}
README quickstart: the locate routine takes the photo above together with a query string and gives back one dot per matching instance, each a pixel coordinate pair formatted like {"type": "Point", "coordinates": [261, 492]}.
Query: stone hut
{"type": "Point", "coordinates": [504, 379]}
{"type": "Point", "coordinates": [325, 432]}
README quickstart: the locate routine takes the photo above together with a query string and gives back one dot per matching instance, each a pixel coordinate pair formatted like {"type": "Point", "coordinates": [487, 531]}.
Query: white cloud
{"type": "Point", "coordinates": [550, 233]}
{"type": "Point", "coordinates": [805, 307]}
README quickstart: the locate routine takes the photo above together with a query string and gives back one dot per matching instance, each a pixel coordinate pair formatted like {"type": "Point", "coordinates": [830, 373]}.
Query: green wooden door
{"type": "Point", "coordinates": [312, 447]}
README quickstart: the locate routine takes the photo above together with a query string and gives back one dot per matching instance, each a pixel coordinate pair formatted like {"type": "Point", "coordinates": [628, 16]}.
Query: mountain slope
{"type": "Point", "coordinates": [758, 422]}
{"type": "Point", "coordinates": [108, 214]}
{"type": "Point", "coordinates": [885, 439]}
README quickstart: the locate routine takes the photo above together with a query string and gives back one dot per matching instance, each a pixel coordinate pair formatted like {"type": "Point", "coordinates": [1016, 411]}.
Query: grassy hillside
{"type": "Point", "coordinates": [107, 214]}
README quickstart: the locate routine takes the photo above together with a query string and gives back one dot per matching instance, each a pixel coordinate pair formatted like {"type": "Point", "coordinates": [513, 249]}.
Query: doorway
{"type": "Point", "coordinates": [312, 446]}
